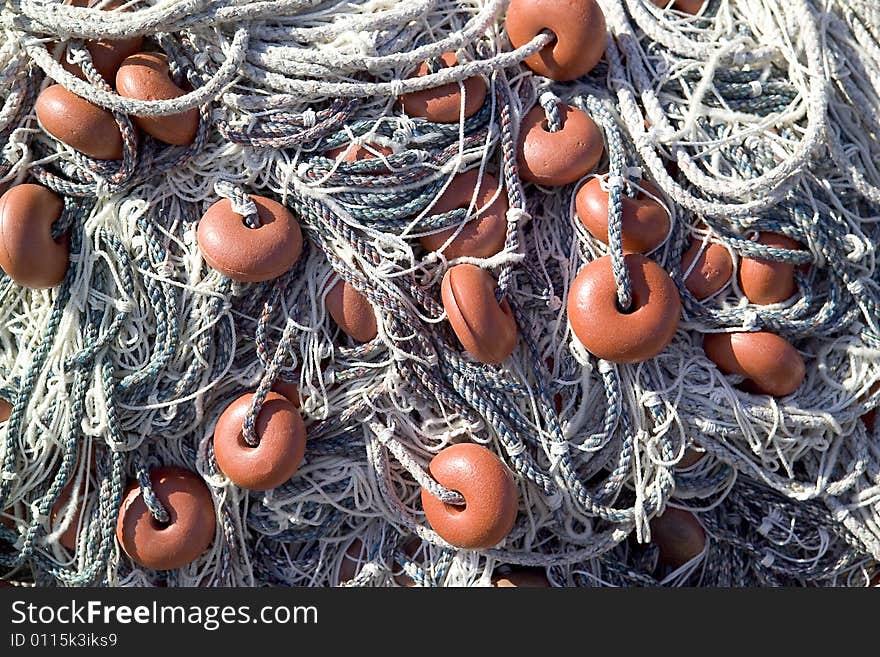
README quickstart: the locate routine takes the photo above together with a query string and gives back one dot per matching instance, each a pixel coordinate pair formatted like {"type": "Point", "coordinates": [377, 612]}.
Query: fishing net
{"type": "Point", "coordinates": [741, 120]}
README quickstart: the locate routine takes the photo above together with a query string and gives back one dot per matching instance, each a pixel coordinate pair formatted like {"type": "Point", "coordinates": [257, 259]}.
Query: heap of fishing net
{"type": "Point", "coordinates": [748, 116]}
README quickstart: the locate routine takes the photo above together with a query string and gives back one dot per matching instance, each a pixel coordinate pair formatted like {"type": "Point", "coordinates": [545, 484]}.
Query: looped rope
{"type": "Point", "coordinates": [110, 100]}
{"type": "Point", "coordinates": [266, 382]}
{"type": "Point", "coordinates": [551, 104]}
{"type": "Point", "coordinates": [385, 436]}
{"type": "Point", "coordinates": [615, 185]}
{"type": "Point", "coordinates": [242, 203]}
{"type": "Point", "coordinates": [72, 211]}
{"type": "Point", "coordinates": [139, 342]}
{"type": "Point", "coordinates": [108, 175]}
{"type": "Point", "coordinates": [142, 473]}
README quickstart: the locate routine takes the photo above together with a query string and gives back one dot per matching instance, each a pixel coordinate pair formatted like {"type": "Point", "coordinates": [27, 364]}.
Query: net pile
{"type": "Point", "coordinates": [748, 116]}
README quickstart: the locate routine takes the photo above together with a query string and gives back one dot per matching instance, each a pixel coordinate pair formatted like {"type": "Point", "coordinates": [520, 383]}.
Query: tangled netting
{"type": "Point", "coordinates": [752, 115]}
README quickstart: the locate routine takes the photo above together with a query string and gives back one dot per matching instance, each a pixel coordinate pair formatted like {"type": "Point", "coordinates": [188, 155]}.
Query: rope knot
{"type": "Point", "coordinates": [309, 118]}
{"type": "Point", "coordinates": [557, 451]}
{"type": "Point", "coordinates": [550, 102]}
{"type": "Point", "coordinates": [652, 399]}
{"type": "Point", "coordinates": [856, 287]}
{"type": "Point", "coordinates": [241, 202]}
{"type": "Point", "coordinates": [750, 320]}
{"type": "Point", "coordinates": [77, 54]}
{"type": "Point", "coordinates": [517, 217]}
{"type": "Point", "coordinates": [385, 434]}
{"type": "Point", "coordinates": [396, 88]}
{"type": "Point", "coordinates": [613, 181]}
